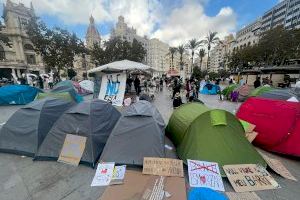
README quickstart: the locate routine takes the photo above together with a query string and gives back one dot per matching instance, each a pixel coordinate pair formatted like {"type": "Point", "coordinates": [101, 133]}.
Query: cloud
{"type": "Point", "coordinates": [190, 21]}
{"type": "Point", "coordinates": [173, 21]}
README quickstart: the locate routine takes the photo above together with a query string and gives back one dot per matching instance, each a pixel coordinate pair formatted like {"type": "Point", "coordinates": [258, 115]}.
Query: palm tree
{"type": "Point", "coordinates": [181, 50]}
{"type": "Point", "coordinates": [210, 39]}
{"type": "Point", "coordinates": [172, 51]}
{"type": "Point", "coordinates": [201, 55]}
{"type": "Point", "coordinates": [193, 44]}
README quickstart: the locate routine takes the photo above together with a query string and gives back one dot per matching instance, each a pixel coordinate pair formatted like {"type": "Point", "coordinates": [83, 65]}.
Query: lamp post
{"type": "Point", "coordinates": [84, 66]}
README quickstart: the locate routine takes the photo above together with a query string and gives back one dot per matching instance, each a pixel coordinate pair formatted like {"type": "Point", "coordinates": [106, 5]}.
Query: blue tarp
{"type": "Point", "coordinates": [17, 94]}
{"type": "Point", "coordinates": [210, 89]}
{"type": "Point", "coordinates": [205, 194]}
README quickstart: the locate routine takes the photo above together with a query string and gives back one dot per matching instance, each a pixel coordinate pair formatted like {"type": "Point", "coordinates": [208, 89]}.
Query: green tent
{"type": "Point", "coordinates": [260, 90]}
{"type": "Point", "coordinates": [63, 95]}
{"type": "Point", "coordinates": [212, 135]}
{"type": "Point", "coordinates": [227, 91]}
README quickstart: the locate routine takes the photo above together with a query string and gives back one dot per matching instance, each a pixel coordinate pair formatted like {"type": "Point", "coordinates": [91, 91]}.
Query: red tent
{"type": "Point", "coordinates": [277, 122]}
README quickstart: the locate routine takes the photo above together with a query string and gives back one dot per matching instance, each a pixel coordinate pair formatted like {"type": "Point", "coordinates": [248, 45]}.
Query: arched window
{"type": "Point", "coordinates": [2, 53]}
{"type": "Point", "coordinates": [28, 47]}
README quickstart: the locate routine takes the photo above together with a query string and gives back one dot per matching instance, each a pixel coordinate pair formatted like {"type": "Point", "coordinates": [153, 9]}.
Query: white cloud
{"type": "Point", "coordinates": [190, 21]}
{"type": "Point", "coordinates": [147, 16]}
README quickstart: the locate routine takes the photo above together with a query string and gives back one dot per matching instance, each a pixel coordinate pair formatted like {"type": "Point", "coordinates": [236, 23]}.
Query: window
{"type": "Point", "coordinates": [28, 47]}
{"type": "Point", "coordinates": [31, 59]}
{"type": "Point", "coordinates": [2, 53]}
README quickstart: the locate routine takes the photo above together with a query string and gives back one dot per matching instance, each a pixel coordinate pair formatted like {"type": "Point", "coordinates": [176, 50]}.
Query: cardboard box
{"type": "Point", "coordinates": [135, 185]}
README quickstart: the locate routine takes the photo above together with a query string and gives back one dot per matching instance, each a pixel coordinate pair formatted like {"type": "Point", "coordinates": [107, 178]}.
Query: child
{"type": "Point", "coordinates": [177, 100]}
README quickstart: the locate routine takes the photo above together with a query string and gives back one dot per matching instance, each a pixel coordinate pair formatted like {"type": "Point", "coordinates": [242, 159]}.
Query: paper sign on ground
{"type": "Point", "coordinates": [72, 149]}
{"type": "Point", "coordinates": [251, 136]}
{"type": "Point", "coordinates": [278, 167]}
{"type": "Point", "coordinates": [163, 166]}
{"type": "Point", "coordinates": [103, 175]}
{"type": "Point", "coordinates": [118, 175]}
{"type": "Point", "coordinates": [205, 174]}
{"type": "Point", "coordinates": [249, 177]}
{"type": "Point", "coordinates": [242, 196]}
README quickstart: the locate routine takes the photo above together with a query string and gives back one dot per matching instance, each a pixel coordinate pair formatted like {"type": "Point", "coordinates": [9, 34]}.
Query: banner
{"type": "Point", "coordinates": [113, 88]}
{"type": "Point", "coordinates": [205, 174]}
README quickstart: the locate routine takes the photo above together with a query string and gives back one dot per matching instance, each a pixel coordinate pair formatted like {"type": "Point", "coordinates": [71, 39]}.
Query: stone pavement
{"type": "Point", "coordinates": [23, 179]}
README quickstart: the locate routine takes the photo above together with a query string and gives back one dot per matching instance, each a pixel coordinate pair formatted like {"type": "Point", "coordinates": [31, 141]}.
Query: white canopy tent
{"type": "Point", "coordinates": [123, 65]}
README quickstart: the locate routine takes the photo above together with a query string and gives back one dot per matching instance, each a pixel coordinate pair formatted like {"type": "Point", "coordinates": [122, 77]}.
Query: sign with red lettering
{"type": "Point", "coordinates": [205, 174]}
{"type": "Point", "coordinates": [249, 177]}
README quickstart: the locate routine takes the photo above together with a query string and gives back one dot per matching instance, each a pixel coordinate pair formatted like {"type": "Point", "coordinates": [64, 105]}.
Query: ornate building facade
{"type": "Point", "coordinates": [20, 56]}
{"type": "Point", "coordinates": [92, 35]}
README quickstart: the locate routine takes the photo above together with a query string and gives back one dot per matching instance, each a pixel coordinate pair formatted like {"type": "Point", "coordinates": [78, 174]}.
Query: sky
{"type": "Point", "coordinates": [172, 21]}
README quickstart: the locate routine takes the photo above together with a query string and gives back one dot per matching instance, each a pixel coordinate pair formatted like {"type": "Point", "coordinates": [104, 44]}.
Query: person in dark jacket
{"type": "Point", "coordinates": [177, 100]}
{"type": "Point", "coordinates": [257, 82]}
{"type": "Point", "coordinates": [137, 86]}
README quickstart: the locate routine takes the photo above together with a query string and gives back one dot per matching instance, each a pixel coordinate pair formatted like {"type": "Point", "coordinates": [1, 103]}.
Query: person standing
{"type": "Point", "coordinates": [188, 88]}
{"type": "Point", "coordinates": [137, 83]}
{"type": "Point", "coordinates": [257, 82]}
{"type": "Point", "coordinates": [41, 82]}
{"type": "Point", "coordinates": [50, 82]}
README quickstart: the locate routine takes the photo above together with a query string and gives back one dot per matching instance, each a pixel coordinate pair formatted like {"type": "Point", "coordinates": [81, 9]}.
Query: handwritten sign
{"type": "Point", "coordinates": [118, 175]}
{"type": "Point", "coordinates": [104, 174]}
{"type": "Point", "coordinates": [251, 136]}
{"type": "Point", "coordinates": [205, 174]}
{"type": "Point", "coordinates": [163, 166]}
{"type": "Point", "coordinates": [72, 149]}
{"type": "Point", "coordinates": [278, 167]}
{"type": "Point", "coordinates": [242, 196]}
{"type": "Point", "coordinates": [249, 177]}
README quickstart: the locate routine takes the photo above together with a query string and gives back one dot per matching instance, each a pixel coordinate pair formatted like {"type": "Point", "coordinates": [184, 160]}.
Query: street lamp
{"type": "Point", "coordinates": [84, 66]}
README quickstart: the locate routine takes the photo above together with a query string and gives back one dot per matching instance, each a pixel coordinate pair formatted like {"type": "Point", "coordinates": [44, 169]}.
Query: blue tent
{"type": "Point", "coordinates": [210, 89]}
{"type": "Point", "coordinates": [17, 94]}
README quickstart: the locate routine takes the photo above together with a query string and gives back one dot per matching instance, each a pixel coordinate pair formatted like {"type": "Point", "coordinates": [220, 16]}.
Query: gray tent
{"type": "Point", "coordinates": [281, 94]}
{"type": "Point", "coordinates": [94, 120]}
{"type": "Point", "coordinates": [139, 133]}
{"type": "Point", "coordinates": [26, 129]}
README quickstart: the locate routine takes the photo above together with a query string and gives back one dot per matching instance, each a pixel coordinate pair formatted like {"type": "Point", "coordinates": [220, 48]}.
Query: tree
{"type": "Point", "coordinates": [172, 51]}
{"type": "Point", "coordinates": [193, 44]}
{"type": "Point", "coordinates": [57, 46]}
{"type": "Point", "coordinates": [210, 40]}
{"type": "Point", "coordinates": [117, 49]}
{"type": "Point", "coordinates": [201, 55]}
{"type": "Point", "coordinates": [181, 50]}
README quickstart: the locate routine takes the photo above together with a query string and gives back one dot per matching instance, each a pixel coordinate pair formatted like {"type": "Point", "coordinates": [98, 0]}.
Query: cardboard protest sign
{"type": "Point", "coordinates": [72, 149]}
{"type": "Point", "coordinates": [103, 175]}
{"type": "Point", "coordinates": [278, 167]}
{"type": "Point", "coordinates": [118, 175]}
{"type": "Point", "coordinates": [205, 174]}
{"type": "Point", "coordinates": [137, 186]}
{"type": "Point", "coordinates": [242, 196]}
{"type": "Point", "coordinates": [163, 166]}
{"type": "Point", "coordinates": [249, 177]}
{"type": "Point", "coordinates": [251, 136]}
